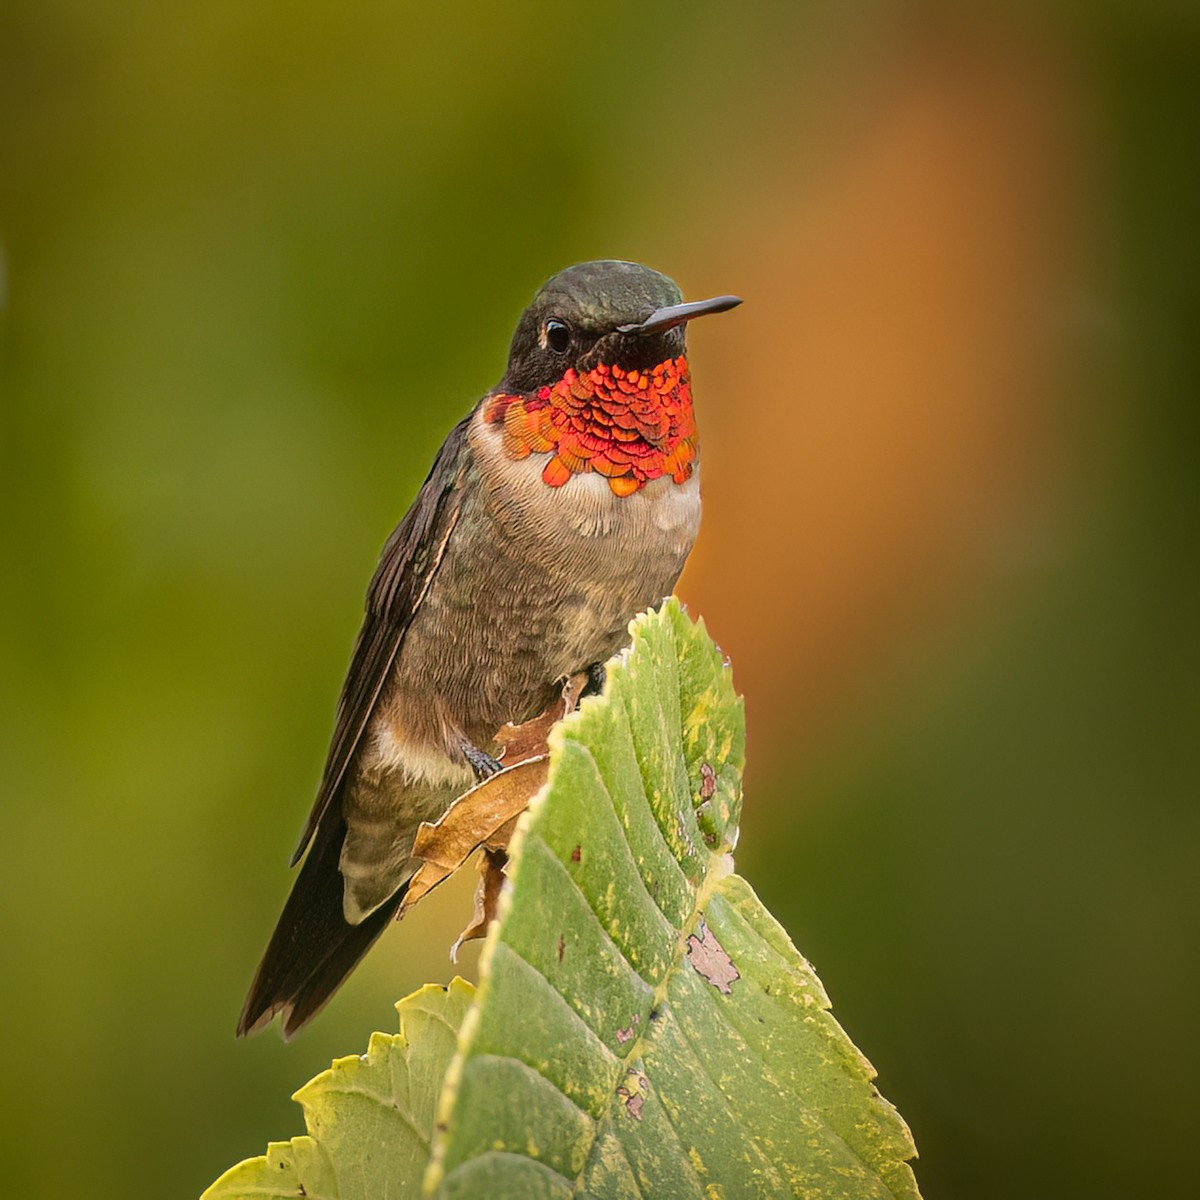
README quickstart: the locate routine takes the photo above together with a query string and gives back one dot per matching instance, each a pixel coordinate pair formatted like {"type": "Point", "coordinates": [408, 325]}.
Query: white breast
{"type": "Point", "coordinates": [660, 519]}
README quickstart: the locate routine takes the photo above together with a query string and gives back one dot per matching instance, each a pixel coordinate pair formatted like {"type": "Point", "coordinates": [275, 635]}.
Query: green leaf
{"type": "Point", "coordinates": [642, 1026]}
{"type": "Point", "coordinates": [369, 1117]}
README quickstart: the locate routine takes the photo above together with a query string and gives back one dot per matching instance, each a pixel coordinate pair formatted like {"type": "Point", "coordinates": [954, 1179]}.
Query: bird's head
{"type": "Point", "coordinates": [607, 312]}
{"type": "Point", "coordinates": [598, 380]}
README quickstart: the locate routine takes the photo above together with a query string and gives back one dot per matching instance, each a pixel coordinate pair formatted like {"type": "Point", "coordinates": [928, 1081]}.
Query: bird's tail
{"type": "Point", "coordinates": [313, 948]}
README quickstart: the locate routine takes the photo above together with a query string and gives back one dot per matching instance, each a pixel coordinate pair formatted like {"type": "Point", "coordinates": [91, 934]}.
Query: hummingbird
{"type": "Point", "coordinates": [563, 504]}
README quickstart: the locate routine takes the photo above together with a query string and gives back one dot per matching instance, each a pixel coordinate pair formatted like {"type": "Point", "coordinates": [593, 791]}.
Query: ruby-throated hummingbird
{"type": "Point", "coordinates": [565, 503]}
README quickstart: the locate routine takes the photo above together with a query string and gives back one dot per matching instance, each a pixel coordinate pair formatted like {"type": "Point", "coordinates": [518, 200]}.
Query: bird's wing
{"type": "Point", "coordinates": [407, 565]}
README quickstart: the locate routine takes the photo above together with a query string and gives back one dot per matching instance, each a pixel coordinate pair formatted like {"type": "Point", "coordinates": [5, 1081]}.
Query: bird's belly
{"type": "Point", "coordinates": [604, 558]}
{"type": "Point", "coordinates": [536, 583]}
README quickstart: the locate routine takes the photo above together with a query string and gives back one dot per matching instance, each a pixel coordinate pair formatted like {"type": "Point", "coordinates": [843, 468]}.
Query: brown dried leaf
{"type": "Point", "coordinates": [473, 820]}
{"type": "Point", "coordinates": [487, 896]}
{"type": "Point", "coordinates": [486, 815]}
{"type": "Point", "coordinates": [518, 742]}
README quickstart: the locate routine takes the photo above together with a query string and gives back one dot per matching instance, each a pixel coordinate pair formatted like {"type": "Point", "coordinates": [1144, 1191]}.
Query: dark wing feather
{"type": "Point", "coordinates": [407, 564]}
{"type": "Point", "coordinates": [312, 949]}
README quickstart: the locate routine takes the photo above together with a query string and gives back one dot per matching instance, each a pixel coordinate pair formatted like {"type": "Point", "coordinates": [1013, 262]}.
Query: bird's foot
{"type": "Point", "coordinates": [484, 765]}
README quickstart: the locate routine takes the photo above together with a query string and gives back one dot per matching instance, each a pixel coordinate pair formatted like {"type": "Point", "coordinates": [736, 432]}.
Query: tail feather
{"type": "Point", "coordinates": [313, 948]}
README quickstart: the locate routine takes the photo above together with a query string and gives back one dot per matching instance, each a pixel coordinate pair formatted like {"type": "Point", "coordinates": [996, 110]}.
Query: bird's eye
{"type": "Point", "coordinates": [558, 336]}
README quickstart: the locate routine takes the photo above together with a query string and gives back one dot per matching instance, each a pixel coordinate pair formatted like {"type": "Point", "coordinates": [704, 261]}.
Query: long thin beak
{"type": "Point", "coordinates": [677, 314]}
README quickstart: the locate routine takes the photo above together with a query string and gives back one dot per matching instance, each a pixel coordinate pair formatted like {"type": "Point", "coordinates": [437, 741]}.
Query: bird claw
{"type": "Point", "coordinates": [484, 765]}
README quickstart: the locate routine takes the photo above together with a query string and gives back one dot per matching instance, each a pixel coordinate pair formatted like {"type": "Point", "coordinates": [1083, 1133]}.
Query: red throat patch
{"type": "Point", "coordinates": [629, 426]}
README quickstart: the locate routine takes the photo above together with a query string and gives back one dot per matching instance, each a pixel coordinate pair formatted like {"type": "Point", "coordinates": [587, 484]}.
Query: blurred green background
{"type": "Point", "coordinates": [259, 257]}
